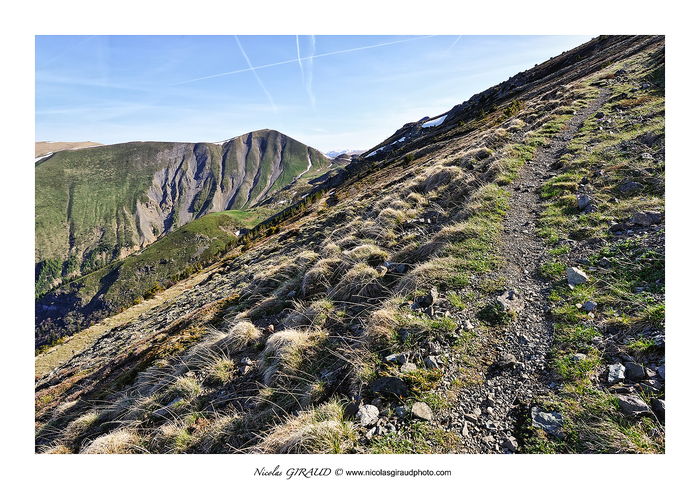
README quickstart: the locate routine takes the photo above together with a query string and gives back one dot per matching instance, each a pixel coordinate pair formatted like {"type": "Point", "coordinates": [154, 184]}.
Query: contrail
{"type": "Point", "coordinates": [298, 59]}
{"type": "Point", "coordinates": [256, 75]}
{"type": "Point", "coordinates": [67, 50]}
{"type": "Point", "coordinates": [448, 49]}
{"type": "Point", "coordinates": [311, 73]}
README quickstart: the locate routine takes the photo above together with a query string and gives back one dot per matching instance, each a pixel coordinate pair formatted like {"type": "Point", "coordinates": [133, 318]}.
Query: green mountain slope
{"type": "Point", "coordinates": [96, 205]}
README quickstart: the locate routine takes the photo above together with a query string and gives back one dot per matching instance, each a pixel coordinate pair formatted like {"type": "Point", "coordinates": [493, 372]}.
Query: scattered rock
{"type": "Point", "coordinates": [431, 363]}
{"type": "Point", "coordinates": [389, 386]}
{"type": "Point", "coordinates": [583, 201]}
{"type": "Point", "coordinates": [578, 357]}
{"type": "Point", "coordinates": [471, 418]}
{"type": "Point", "coordinates": [368, 415]}
{"type": "Point", "coordinates": [588, 306]}
{"type": "Point", "coordinates": [616, 373]}
{"type": "Point", "coordinates": [506, 360]}
{"type": "Point", "coordinates": [576, 276]}
{"type": "Point", "coordinates": [659, 407]}
{"type": "Point", "coordinates": [633, 405]}
{"type": "Point", "coordinates": [510, 443]}
{"type": "Point", "coordinates": [549, 422]}
{"type": "Point", "coordinates": [646, 218]}
{"type": "Point", "coordinates": [634, 371]}
{"type": "Point", "coordinates": [630, 187]}
{"type": "Point", "coordinates": [511, 301]}
{"type": "Point", "coordinates": [422, 411]}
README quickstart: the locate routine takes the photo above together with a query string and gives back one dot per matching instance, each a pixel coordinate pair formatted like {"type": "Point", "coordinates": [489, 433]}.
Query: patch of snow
{"type": "Point", "coordinates": [42, 157]}
{"type": "Point", "coordinates": [436, 122]}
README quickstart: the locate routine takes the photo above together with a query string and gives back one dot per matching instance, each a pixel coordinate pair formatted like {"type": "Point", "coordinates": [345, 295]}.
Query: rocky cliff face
{"type": "Point", "coordinates": [101, 204]}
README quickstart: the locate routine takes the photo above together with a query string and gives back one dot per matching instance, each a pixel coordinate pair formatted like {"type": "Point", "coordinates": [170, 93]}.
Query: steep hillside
{"type": "Point", "coordinates": [491, 284]}
{"type": "Point", "coordinates": [97, 205]}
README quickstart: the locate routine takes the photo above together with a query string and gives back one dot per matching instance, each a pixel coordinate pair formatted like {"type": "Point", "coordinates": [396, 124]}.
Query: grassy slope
{"type": "Point", "coordinates": [297, 407]}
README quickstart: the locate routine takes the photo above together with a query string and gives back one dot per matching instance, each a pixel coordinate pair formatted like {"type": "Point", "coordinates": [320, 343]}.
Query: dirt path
{"type": "Point", "coordinates": [491, 411]}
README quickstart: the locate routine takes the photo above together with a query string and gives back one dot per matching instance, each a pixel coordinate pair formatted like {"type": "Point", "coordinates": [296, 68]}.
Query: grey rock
{"type": "Point", "coordinates": [367, 415]}
{"type": "Point", "coordinates": [166, 411]}
{"type": "Point", "coordinates": [583, 201]}
{"type": "Point", "coordinates": [408, 367]}
{"type": "Point", "coordinates": [646, 218]}
{"type": "Point", "coordinates": [616, 373]}
{"type": "Point", "coordinates": [422, 411]}
{"type": "Point", "coordinates": [549, 422]}
{"type": "Point", "coordinates": [578, 357]}
{"type": "Point", "coordinates": [507, 360]}
{"type": "Point", "coordinates": [431, 363]}
{"type": "Point", "coordinates": [465, 430]}
{"type": "Point", "coordinates": [389, 386]}
{"type": "Point", "coordinates": [576, 276]}
{"type": "Point", "coordinates": [662, 371]}
{"type": "Point", "coordinates": [588, 306]}
{"type": "Point", "coordinates": [402, 411]}
{"type": "Point", "coordinates": [659, 407]}
{"type": "Point", "coordinates": [510, 443]}
{"type": "Point", "coordinates": [471, 418]}
{"type": "Point", "coordinates": [512, 301]}
{"type": "Point", "coordinates": [633, 405]}
{"type": "Point", "coordinates": [630, 187]}
{"type": "Point", "coordinates": [634, 371]}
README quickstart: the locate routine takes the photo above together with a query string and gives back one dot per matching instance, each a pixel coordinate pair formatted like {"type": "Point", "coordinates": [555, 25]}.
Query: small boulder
{"type": "Point", "coordinates": [629, 187]}
{"type": "Point", "coordinates": [422, 411]}
{"type": "Point", "coordinates": [616, 373]}
{"type": "Point", "coordinates": [576, 276]}
{"type": "Point", "coordinates": [633, 405]}
{"type": "Point", "coordinates": [389, 386]}
{"type": "Point", "coordinates": [634, 371]}
{"type": "Point", "coordinates": [583, 201]}
{"type": "Point", "coordinates": [511, 301]}
{"type": "Point", "coordinates": [367, 415]}
{"type": "Point", "coordinates": [551, 423]}
{"type": "Point", "coordinates": [659, 407]}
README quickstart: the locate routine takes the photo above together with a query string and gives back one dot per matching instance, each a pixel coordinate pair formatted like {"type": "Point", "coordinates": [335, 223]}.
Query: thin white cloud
{"type": "Point", "coordinates": [298, 59]}
{"type": "Point", "coordinates": [311, 73]}
{"type": "Point", "coordinates": [301, 66]}
{"type": "Point", "coordinates": [448, 49]}
{"type": "Point", "coordinates": [256, 75]}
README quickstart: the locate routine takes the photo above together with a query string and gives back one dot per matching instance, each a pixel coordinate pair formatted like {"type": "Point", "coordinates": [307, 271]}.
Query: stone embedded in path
{"type": "Point", "coordinates": [512, 301]}
{"type": "Point", "coordinates": [588, 306]}
{"type": "Point", "coordinates": [510, 443]}
{"type": "Point", "coordinates": [550, 422]}
{"type": "Point", "coordinates": [576, 276]}
{"type": "Point", "coordinates": [506, 360]}
{"type": "Point", "coordinates": [367, 415]}
{"type": "Point", "coordinates": [422, 411]}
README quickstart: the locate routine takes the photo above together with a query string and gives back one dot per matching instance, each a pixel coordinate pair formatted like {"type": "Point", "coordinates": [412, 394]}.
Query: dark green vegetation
{"type": "Point", "coordinates": [296, 322]}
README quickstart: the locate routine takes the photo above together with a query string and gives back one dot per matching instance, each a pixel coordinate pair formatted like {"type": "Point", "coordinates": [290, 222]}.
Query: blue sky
{"type": "Point", "coordinates": [330, 92]}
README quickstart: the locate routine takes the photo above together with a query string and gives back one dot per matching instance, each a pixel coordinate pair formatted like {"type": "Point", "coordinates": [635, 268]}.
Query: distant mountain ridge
{"type": "Point", "coordinates": [334, 153]}
{"type": "Point", "coordinates": [100, 204]}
